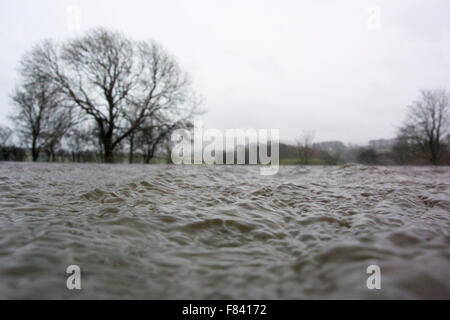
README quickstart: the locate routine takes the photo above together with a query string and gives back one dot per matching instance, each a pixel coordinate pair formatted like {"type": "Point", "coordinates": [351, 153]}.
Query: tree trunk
{"type": "Point", "coordinates": [131, 148]}
{"type": "Point", "coordinates": [35, 156]}
{"type": "Point", "coordinates": [169, 154]}
{"type": "Point", "coordinates": [434, 159]}
{"type": "Point", "coordinates": [109, 157]}
{"type": "Point", "coordinates": [433, 152]}
{"type": "Point", "coordinates": [34, 152]}
{"type": "Point", "coordinates": [149, 155]}
{"type": "Point", "coordinates": [108, 150]}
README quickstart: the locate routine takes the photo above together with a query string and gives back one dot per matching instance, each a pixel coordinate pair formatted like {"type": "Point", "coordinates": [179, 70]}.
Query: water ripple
{"type": "Point", "coordinates": [223, 232]}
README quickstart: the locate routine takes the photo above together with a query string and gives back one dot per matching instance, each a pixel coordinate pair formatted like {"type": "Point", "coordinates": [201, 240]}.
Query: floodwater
{"type": "Point", "coordinates": [198, 232]}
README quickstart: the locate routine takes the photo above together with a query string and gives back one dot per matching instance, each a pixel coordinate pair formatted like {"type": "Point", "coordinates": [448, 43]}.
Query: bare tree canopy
{"type": "Point", "coordinates": [427, 125]}
{"type": "Point", "coordinates": [5, 136]}
{"type": "Point", "coordinates": [156, 132]}
{"type": "Point", "coordinates": [305, 147]}
{"type": "Point", "coordinates": [116, 81]}
{"type": "Point", "coordinates": [41, 116]}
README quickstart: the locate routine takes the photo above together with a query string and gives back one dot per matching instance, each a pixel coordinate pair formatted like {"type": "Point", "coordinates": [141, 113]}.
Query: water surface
{"type": "Point", "coordinates": [159, 232]}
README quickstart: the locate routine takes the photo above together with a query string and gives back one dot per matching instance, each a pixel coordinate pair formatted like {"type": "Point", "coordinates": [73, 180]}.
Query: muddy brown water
{"type": "Point", "coordinates": [199, 232]}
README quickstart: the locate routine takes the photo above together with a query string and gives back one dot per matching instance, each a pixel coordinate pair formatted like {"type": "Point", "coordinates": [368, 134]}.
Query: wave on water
{"type": "Point", "coordinates": [200, 232]}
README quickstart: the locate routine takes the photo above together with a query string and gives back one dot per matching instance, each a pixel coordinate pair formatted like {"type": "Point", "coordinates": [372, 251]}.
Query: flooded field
{"type": "Point", "coordinates": [160, 232]}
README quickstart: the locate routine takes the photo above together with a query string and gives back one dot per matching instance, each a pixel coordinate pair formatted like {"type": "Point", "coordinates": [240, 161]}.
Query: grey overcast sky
{"type": "Point", "coordinates": [343, 69]}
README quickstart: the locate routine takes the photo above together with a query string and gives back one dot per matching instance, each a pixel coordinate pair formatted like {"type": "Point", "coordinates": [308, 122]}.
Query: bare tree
{"type": "Point", "coordinates": [40, 116]}
{"type": "Point", "coordinates": [5, 136]}
{"type": "Point", "coordinates": [305, 147]}
{"type": "Point", "coordinates": [427, 125]}
{"type": "Point", "coordinates": [59, 125]}
{"type": "Point", "coordinates": [367, 156]}
{"type": "Point", "coordinates": [402, 150]}
{"type": "Point", "coordinates": [80, 143]}
{"type": "Point", "coordinates": [76, 141]}
{"type": "Point", "coordinates": [155, 133]}
{"type": "Point", "coordinates": [116, 81]}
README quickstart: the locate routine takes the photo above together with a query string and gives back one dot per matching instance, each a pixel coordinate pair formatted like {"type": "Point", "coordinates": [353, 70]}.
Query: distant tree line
{"type": "Point", "coordinates": [424, 138]}
{"type": "Point", "coordinates": [92, 97]}
{"type": "Point", "coordinates": [8, 151]}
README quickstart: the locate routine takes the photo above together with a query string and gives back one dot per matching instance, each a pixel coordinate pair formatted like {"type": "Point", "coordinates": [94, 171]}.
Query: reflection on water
{"type": "Point", "coordinates": [158, 232]}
